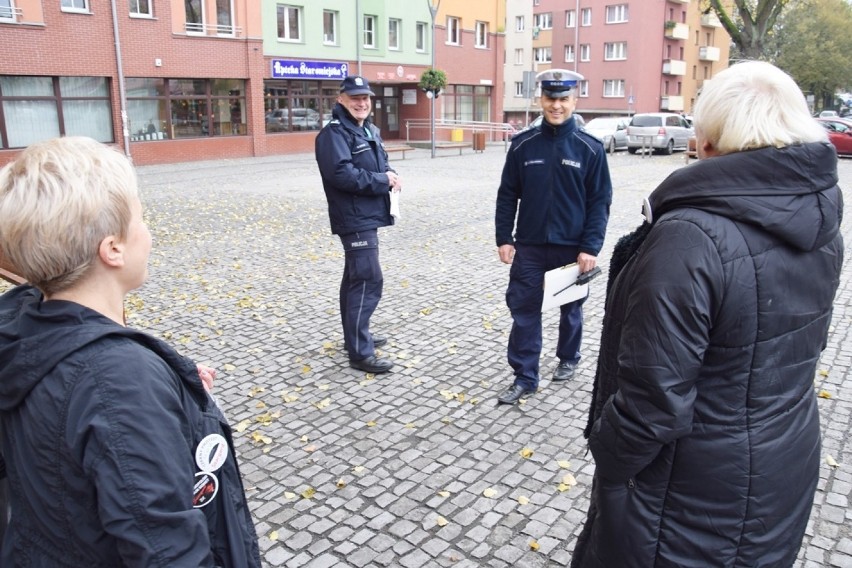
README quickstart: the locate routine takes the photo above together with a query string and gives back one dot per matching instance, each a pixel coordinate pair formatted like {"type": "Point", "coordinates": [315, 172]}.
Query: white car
{"type": "Point", "coordinates": [662, 132]}
{"type": "Point", "coordinates": [612, 131]}
{"type": "Point", "coordinates": [828, 114]}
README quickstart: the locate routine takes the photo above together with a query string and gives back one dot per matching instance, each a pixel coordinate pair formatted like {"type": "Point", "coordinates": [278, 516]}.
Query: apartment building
{"type": "Point", "coordinates": [170, 81]}
{"type": "Point", "coordinates": [635, 55]}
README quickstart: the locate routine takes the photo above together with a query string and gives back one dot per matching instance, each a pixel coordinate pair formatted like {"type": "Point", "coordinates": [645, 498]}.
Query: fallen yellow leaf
{"type": "Point", "coordinates": [823, 373]}
{"type": "Point", "coordinates": [371, 423]}
{"type": "Point", "coordinates": [323, 403]}
{"type": "Point", "coordinates": [562, 487]}
{"type": "Point", "coordinates": [444, 493]}
{"type": "Point", "coordinates": [358, 468]}
{"type": "Point", "coordinates": [306, 369]}
{"type": "Point", "coordinates": [526, 453]}
{"type": "Point", "coordinates": [489, 493]}
{"type": "Point", "coordinates": [830, 461]}
{"type": "Point", "coordinates": [340, 483]}
{"type": "Point", "coordinates": [824, 394]}
{"type": "Point", "coordinates": [228, 367]}
{"type": "Point", "coordinates": [323, 387]}
{"type": "Point", "coordinates": [569, 480]}
{"type": "Point", "coordinates": [260, 404]}
{"type": "Point", "coordinates": [410, 425]}
{"type": "Point", "coordinates": [534, 545]}
{"type": "Point", "coordinates": [289, 494]}
{"type": "Point", "coordinates": [304, 438]}
{"type": "Point", "coordinates": [309, 492]}
{"type": "Point", "coordinates": [523, 500]}
{"type": "Point", "coordinates": [441, 521]}
{"type": "Point", "coordinates": [564, 464]}
{"type": "Point", "coordinates": [273, 536]}
{"type": "Point", "coordinates": [241, 427]}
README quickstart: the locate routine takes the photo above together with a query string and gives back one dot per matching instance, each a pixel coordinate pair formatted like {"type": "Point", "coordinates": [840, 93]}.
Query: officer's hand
{"type": "Point", "coordinates": [586, 261]}
{"type": "Point", "coordinates": [394, 181]}
{"type": "Point", "coordinates": [507, 253]}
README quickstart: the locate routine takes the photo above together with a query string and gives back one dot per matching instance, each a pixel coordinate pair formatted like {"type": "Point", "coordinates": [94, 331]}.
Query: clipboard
{"type": "Point", "coordinates": [561, 287]}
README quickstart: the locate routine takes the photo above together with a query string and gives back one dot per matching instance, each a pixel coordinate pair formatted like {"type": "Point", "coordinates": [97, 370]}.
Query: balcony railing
{"type": "Point", "coordinates": [195, 28]}
{"type": "Point", "coordinates": [708, 53]}
{"type": "Point", "coordinates": [680, 1]}
{"type": "Point", "coordinates": [677, 30]}
{"type": "Point", "coordinates": [674, 67]}
{"type": "Point", "coordinates": [671, 103]}
{"type": "Point", "coordinates": [10, 13]}
{"type": "Point", "coordinates": [710, 20]}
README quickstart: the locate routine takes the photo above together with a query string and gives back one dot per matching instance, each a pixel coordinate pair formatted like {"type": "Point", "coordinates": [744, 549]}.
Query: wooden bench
{"type": "Point", "coordinates": [393, 149]}
{"type": "Point", "coordinates": [453, 145]}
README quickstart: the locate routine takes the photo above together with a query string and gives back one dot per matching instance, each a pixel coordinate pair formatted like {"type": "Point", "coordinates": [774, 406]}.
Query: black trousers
{"type": "Point", "coordinates": [360, 291]}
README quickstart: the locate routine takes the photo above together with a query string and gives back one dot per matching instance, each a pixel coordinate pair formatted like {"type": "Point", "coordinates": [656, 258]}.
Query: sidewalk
{"type": "Point", "coordinates": [418, 467]}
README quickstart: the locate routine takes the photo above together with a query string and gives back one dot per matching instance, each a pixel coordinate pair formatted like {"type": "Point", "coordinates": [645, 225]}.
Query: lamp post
{"type": "Point", "coordinates": [433, 10]}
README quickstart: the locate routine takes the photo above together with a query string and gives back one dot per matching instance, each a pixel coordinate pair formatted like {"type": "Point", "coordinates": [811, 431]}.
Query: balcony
{"type": "Point", "coordinates": [676, 30]}
{"type": "Point", "coordinates": [671, 103]}
{"type": "Point", "coordinates": [10, 14]}
{"type": "Point", "coordinates": [708, 53]}
{"type": "Point", "coordinates": [674, 67]}
{"type": "Point", "coordinates": [711, 20]}
{"type": "Point", "coordinates": [679, 1]}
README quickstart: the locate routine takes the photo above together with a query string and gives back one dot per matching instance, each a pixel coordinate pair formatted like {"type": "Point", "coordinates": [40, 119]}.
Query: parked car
{"type": "Point", "coordinates": [839, 133]}
{"type": "Point", "coordinates": [278, 120]}
{"type": "Point", "coordinates": [612, 131]}
{"type": "Point", "coordinates": [828, 114]}
{"type": "Point", "coordinates": [663, 132]}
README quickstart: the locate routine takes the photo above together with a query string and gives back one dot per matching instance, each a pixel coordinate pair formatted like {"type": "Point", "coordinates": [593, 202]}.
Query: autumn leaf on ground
{"type": "Point", "coordinates": [564, 464]}
{"type": "Point", "coordinates": [260, 404]}
{"type": "Point", "coordinates": [254, 390]}
{"type": "Point", "coordinates": [260, 438]}
{"type": "Point", "coordinates": [289, 495]}
{"type": "Point", "coordinates": [824, 394]}
{"type": "Point", "coordinates": [323, 387]}
{"type": "Point", "coordinates": [523, 500]}
{"type": "Point", "coordinates": [444, 493]}
{"type": "Point", "coordinates": [323, 403]}
{"type": "Point", "coordinates": [371, 423]}
{"type": "Point", "coordinates": [273, 536]}
{"type": "Point", "coordinates": [228, 367]}
{"type": "Point", "coordinates": [823, 373]}
{"type": "Point", "coordinates": [241, 427]}
{"type": "Point", "coordinates": [426, 311]}
{"type": "Point", "coordinates": [534, 545]}
{"type": "Point", "coordinates": [308, 493]}
{"type": "Point", "coordinates": [447, 420]}
{"type": "Point", "coordinates": [527, 453]}
{"type": "Point", "coordinates": [306, 369]}
{"type": "Point", "coordinates": [416, 381]}
{"type": "Point", "coordinates": [304, 439]}
{"type": "Point", "coordinates": [441, 521]}
{"type": "Point", "coordinates": [489, 493]}
{"type": "Point", "coordinates": [563, 488]}
{"type": "Point", "coordinates": [410, 425]}
{"type": "Point", "coordinates": [358, 468]}
{"type": "Point", "coordinates": [341, 483]}
{"type": "Point", "coordinates": [264, 419]}
{"type": "Point", "coordinates": [569, 480]}
{"type": "Point", "coordinates": [830, 461]}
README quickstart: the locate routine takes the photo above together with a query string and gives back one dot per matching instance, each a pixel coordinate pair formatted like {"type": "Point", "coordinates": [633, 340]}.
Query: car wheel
{"type": "Point", "coordinates": [611, 146]}
{"type": "Point", "coordinates": [633, 150]}
{"type": "Point", "coordinates": [669, 148]}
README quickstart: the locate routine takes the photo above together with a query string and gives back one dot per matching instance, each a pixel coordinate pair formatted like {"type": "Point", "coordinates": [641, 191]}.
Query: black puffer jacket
{"type": "Point", "coordinates": [101, 428]}
{"type": "Point", "coordinates": [705, 430]}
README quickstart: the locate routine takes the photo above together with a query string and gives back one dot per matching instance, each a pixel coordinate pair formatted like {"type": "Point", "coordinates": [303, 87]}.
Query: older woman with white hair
{"type": "Point", "coordinates": [116, 455]}
{"type": "Point", "coordinates": [704, 424]}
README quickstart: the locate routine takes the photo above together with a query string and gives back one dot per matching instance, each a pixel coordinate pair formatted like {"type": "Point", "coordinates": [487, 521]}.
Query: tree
{"type": "Point", "coordinates": [750, 23]}
{"type": "Point", "coordinates": [814, 48]}
{"type": "Point", "coordinates": [433, 80]}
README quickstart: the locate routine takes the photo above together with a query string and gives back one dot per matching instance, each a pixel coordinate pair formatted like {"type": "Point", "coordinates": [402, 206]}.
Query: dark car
{"type": "Point", "coordinates": [839, 133]}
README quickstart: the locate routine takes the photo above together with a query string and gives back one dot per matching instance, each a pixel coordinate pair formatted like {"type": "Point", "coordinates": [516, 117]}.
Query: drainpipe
{"type": "Point", "coordinates": [576, 36]}
{"type": "Point", "coordinates": [122, 97]}
{"type": "Point", "coordinates": [358, 38]}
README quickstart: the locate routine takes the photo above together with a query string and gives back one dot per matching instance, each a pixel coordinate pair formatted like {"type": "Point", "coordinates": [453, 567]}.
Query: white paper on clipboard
{"type": "Point", "coordinates": [560, 287]}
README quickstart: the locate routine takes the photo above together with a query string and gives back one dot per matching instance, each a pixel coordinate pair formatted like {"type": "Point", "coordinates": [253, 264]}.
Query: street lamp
{"type": "Point", "coordinates": [433, 9]}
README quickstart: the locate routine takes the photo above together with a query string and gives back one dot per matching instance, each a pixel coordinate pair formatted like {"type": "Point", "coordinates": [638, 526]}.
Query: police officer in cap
{"type": "Point", "coordinates": [357, 180]}
{"type": "Point", "coordinates": [556, 183]}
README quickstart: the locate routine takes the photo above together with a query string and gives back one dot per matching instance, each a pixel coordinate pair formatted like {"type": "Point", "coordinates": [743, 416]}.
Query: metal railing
{"type": "Point", "coordinates": [219, 30]}
{"type": "Point", "coordinates": [497, 131]}
{"type": "Point", "coordinates": [10, 13]}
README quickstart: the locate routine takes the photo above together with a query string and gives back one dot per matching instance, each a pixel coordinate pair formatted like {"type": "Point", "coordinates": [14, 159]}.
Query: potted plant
{"type": "Point", "coordinates": [433, 81]}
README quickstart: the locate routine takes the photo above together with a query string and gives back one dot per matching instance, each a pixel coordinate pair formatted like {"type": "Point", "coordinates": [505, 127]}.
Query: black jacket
{"type": "Point", "coordinates": [354, 174]}
{"type": "Point", "coordinates": [556, 180]}
{"type": "Point", "coordinates": [705, 430]}
{"type": "Point", "coordinates": [100, 426]}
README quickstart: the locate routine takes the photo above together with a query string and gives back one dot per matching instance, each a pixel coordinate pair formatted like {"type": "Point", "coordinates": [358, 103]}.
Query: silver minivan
{"type": "Point", "coordinates": [662, 132]}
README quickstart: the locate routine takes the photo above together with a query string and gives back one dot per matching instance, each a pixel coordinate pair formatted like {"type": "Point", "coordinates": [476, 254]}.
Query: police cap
{"type": "Point", "coordinates": [355, 85]}
{"type": "Point", "coordinates": [556, 83]}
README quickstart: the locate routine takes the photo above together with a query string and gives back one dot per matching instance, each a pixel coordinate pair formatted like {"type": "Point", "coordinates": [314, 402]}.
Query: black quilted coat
{"type": "Point", "coordinates": [704, 425]}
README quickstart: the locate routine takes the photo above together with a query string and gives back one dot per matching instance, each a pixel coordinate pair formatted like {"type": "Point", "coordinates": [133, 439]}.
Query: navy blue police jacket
{"type": "Point", "coordinates": [100, 427]}
{"type": "Point", "coordinates": [354, 170]}
{"type": "Point", "coordinates": [556, 180]}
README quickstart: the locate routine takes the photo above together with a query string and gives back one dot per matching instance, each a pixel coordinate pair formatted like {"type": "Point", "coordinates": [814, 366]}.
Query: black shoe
{"type": "Point", "coordinates": [372, 364]}
{"type": "Point", "coordinates": [513, 394]}
{"type": "Point", "coordinates": [379, 340]}
{"type": "Point", "coordinates": [564, 371]}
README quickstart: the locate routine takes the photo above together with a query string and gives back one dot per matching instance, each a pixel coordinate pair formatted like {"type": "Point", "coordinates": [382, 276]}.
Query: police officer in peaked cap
{"type": "Point", "coordinates": [556, 183]}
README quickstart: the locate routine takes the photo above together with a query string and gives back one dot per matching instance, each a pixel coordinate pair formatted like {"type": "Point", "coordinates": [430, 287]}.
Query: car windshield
{"type": "Point", "coordinates": [640, 120]}
{"type": "Point", "coordinates": [603, 124]}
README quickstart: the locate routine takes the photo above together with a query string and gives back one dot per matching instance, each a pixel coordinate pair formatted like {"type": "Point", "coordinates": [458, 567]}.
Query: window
{"type": "Point", "coordinates": [543, 21]}
{"type": "Point", "coordinates": [139, 8]}
{"type": "Point", "coordinates": [569, 54]}
{"type": "Point", "coordinates": [467, 102]}
{"type": "Point", "coordinates": [75, 5]}
{"type": "Point", "coordinates": [453, 31]}
{"type": "Point", "coordinates": [195, 16]}
{"type": "Point", "coordinates": [616, 14]}
{"type": "Point", "coordinates": [519, 57]}
{"type": "Point", "coordinates": [370, 31]}
{"type": "Point", "coordinates": [224, 21]}
{"type": "Point", "coordinates": [161, 109]}
{"type": "Point", "coordinates": [613, 88]}
{"type": "Point", "coordinates": [289, 23]}
{"type": "Point", "coordinates": [615, 51]}
{"type": "Point", "coordinates": [421, 36]}
{"type": "Point", "coordinates": [297, 105]}
{"type": "Point", "coordinates": [482, 34]}
{"type": "Point", "coordinates": [586, 17]}
{"type": "Point", "coordinates": [542, 54]}
{"type": "Point", "coordinates": [519, 23]}
{"type": "Point", "coordinates": [394, 27]}
{"type": "Point", "coordinates": [329, 27]}
{"type": "Point", "coordinates": [38, 108]}
{"type": "Point", "coordinates": [570, 18]}
{"type": "Point", "coordinates": [584, 88]}
{"type": "Point", "coordinates": [585, 52]}
{"type": "Point", "coordinates": [519, 88]}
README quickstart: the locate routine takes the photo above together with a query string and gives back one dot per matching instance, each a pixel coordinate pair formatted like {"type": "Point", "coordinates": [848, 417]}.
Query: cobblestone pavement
{"type": "Point", "coordinates": [418, 467]}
